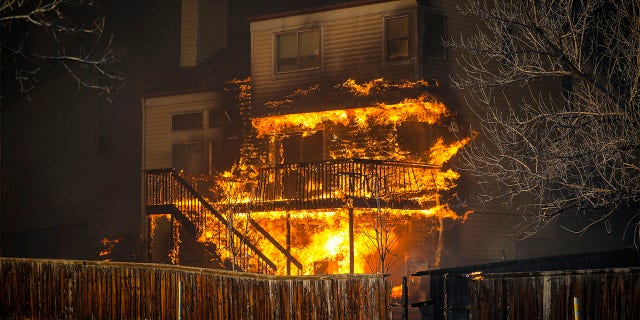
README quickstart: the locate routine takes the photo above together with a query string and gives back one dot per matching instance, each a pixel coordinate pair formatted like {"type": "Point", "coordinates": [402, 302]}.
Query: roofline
{"type": "Point", "coordinates": [168, 93]}
{"type": "Point", "coordinates": [336, 6]}
{"type": "Point", "coordinates": [505, 263]}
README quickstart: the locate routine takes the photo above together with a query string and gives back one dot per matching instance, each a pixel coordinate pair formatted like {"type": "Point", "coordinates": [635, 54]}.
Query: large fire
{"type": "Point", "coordinates": [319, 237]}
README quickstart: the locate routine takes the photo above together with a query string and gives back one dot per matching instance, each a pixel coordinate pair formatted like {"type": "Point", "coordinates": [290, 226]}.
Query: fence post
{"type": "Point", "coordinates": [179, 299]}
{"type": "Point", "coordinates": [546, 297]}
{"type": "Point", "coordinates": [405, 299]}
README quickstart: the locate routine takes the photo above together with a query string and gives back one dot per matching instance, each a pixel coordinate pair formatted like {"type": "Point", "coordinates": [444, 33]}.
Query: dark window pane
{"type": "Point", "coordinates": [312, 147]}
{"type": "Point", "coordinates": [397, 49]}
{"type": "Point", "coordinates": [397, 27]}
{"type": "Point", "coordinates": [189, 157]}
{"type": "Point", "coordinates": [287, 51]}
{"type": "Point", "coordinates": [298, 149]}
{"type": "Point", "coordinates": [298, 50]}
{"type": "Point", "coordinates": [187, 121]}
{"type": "Point", "coordinates": [291, 148]}
{"type": "Point", "coordinates": [435, 33]}
{"type": "Point", "coordinates": [309, 49]}
{"type": "Point", "coordinates": [398, 38]}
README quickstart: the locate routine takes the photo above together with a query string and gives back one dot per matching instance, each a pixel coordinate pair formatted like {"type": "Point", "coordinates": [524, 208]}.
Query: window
{"type": "Point", "coordinates": [187, 121]}
{"type": "Point", "coordinates": [435, 27]}
{"type": "Point", "coordinates": [397, 38]}
{"type": "Point", "coordinates": [219, 119]}
{"type": "Point", "coordinates": [298, 50]}
{"type": "Point", "coordinates": [189, 157]}
{"type": "Point", "coordinates": [297, 148]}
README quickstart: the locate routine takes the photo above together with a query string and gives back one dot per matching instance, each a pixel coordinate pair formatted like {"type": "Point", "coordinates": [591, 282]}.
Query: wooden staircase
{"type": "Point", "coordinates": [169, 193]}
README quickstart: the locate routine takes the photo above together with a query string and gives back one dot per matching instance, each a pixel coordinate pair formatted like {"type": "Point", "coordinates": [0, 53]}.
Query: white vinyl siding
{"type": "Point", "coordinates": [352, 45]}
{"type": "Point", "coordinates": [158, 136]}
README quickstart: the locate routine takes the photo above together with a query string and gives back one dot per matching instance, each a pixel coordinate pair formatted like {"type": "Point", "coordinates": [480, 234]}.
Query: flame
{"type": "Point", "coordinates": [440, 153]}
{"type": "Point", "coordinates": [319, 239]}
{"type": "Point", "coordinates": [174, 253]}
{"type": "Point", "coordinates": [421, 109]}
{"type": "Point", "coordinates": [396, 292]}
{"type": "Point", "coordinates": [107, 248]}
{"type": "Point", "coordinates": [378, 85]}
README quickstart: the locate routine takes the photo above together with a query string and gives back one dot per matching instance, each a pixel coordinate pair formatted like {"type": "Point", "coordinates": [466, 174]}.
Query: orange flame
{"type": "Point", "coordinates": [107, 248]}
{"type": "Point", "coordinates": [319, 239]}
{"type": "Point", "coordinates": [421, 109]}
{"type": "Point", "coordinates": [396, 292]}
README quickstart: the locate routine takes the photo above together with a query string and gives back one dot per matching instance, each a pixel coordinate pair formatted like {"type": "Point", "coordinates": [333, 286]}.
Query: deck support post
{"type": "Point", "coordinates": [351, 248]}
{"type": "Point", "coordinates": [288, 231]}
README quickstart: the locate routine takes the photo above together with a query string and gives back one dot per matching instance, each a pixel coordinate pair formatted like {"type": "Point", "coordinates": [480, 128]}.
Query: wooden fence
{"type": "Point", "coordinates": [607, 285]}
{"type": "Point", "coordinates": [600, 294]}
{"type": "Point", "coordinates": [64, 289]}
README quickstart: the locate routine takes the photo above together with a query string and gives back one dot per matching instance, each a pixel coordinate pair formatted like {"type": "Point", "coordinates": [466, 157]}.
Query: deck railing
{"type": "Point", "coordinates": [167, 192]}
{"type": "Point", "coordinates": [329, 183]}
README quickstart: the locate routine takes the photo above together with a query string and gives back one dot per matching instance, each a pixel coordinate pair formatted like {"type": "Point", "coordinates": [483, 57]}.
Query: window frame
{"type": "Point", "coordinates": [202, 122]}
{"type": "Point", "coordinates": [276, 37]}
{"type": "Point", "coordinates": [409, 38]}
{"type": "Point", "coordinates": [444, 36]}
{"type": "Point", "coordinates": [205, 150]}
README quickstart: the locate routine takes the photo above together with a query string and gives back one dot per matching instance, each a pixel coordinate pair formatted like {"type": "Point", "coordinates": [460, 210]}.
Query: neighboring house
{"type": "Point", "coordinates": [330, 142]}
{"type": "Point", "coordinates": [71, 159]}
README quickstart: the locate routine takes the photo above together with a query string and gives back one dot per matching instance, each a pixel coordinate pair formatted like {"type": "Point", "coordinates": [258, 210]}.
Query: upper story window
{"type": "Point", "coordinates": [298, 50]}
{"type": "Point", "coordinates": [435, 27]}
{"type": "Point", "coordinates": [397, 38]}
{"type": "Point", "coordinates": [187, 121]}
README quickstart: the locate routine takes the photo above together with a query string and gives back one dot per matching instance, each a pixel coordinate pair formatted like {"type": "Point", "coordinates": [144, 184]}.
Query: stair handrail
{"type": "Point", "coordinates": [195, 194]}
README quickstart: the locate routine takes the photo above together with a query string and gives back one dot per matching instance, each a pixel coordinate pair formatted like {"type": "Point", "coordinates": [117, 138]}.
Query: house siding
{"type": "Point", "coordinates": [352, 45]}
{"type": "Point", "coordinates": [189, 33]}
{"type": "Point", "coordinates": [157, 124]}
{"type": "Point", "coordinates": [212, 28]}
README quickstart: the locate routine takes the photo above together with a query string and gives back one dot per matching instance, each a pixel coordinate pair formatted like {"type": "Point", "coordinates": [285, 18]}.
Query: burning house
{"type": "Point", "coordinates": [330, 158]}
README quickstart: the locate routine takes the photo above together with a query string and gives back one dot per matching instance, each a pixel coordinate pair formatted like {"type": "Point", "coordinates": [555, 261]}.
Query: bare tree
{"type": "Point", "coordinates": [574, 151]}
{"type": "Point", "coordinates": [381, 236]}
{"type": "Point", "coordinates": [64, 33]}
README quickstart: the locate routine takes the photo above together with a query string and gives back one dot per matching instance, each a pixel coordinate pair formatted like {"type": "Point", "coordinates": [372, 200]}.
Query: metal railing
{"type": "Point", "coordinates": [167, 191]}
{"type": "Point", "coordinates": [329, 183]}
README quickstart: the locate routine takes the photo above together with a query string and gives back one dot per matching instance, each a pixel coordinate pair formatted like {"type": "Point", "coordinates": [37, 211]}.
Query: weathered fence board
{"type": "Point", "coordinates": [602, 294]}
{"type": "Point", "coordinates": [64, 289]}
